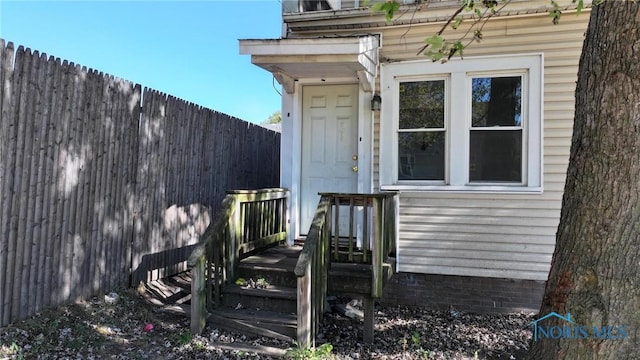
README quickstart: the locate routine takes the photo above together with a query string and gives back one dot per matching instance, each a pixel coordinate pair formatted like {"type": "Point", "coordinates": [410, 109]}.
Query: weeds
{"type": "Point", "coordinates": [184, 338]}
{"type": "Point", "coordinates": [260, 283]}
{"type": "Point", "coordinates": [416, 346]}
{"type": "Point", "coordinates": [321, 352]}
{"type": "Point", "coordinates": [12, 351]}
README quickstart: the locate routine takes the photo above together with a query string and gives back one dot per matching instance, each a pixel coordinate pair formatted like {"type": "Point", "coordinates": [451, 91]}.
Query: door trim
{"type": "Point", "coordinates": [292, 109]}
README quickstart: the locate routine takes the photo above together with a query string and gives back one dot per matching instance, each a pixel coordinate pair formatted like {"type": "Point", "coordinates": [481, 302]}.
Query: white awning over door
{"type": "Point", "coordinates": [290, 60]}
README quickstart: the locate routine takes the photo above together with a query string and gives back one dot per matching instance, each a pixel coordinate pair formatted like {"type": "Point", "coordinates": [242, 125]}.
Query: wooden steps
{"type": "Point", "coordinates": [272, 298]}
{"type": "Point", "coordinates": [275, 265]}
{"type": "Point", "coordinates": [270, 311]}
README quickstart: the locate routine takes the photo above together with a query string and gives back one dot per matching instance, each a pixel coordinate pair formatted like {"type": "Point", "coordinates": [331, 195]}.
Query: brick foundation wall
{"type": "Point", "coordinates": [464, 293]}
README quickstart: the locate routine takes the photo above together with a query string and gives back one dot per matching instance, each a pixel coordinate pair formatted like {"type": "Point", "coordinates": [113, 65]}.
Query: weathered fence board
{"type": "Point", "coordinates": [101, 185]}
{"type": "Point", "coordinates": [192, 159]}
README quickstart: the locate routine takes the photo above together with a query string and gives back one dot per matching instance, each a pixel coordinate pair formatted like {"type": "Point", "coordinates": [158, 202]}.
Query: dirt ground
{"type": "Point", "coordinates": [95, 329]}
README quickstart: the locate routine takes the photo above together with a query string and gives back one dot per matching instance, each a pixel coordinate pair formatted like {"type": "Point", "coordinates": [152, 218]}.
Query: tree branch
{"type": "Point", "coordinates": [443, 27]}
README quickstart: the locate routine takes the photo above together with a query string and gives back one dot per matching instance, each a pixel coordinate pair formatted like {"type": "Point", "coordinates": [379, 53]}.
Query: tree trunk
{"type": "Point", "coordinates": [595, 272]}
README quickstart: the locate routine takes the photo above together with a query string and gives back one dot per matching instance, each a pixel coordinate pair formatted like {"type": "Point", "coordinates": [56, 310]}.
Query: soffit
{"type": "Point", "coordinates": [291, 60]}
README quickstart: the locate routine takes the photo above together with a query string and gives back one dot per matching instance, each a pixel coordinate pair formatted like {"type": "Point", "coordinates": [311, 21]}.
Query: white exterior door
{"type": "Point", "coordinates": [329, 146]}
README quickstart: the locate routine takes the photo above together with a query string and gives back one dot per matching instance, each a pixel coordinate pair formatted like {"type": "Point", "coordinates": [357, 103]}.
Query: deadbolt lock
{"type": "Point", "coordinates": [355, 157]}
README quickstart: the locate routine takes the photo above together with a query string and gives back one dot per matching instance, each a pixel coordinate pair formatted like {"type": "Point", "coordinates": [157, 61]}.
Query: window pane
{"type": "Point", "coordinates": [421, 155]}
{"type": "Point", "coordinates": [496, 101]}
{"type": "Point", "coordinates": [422, 105]}
{"type": "Point", "coordinates": [495, 156]}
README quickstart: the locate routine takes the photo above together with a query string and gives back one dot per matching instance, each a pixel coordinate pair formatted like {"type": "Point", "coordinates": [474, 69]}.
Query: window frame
{"type": "Point", "coordinates": [524, 124]}
{"type": "Point", "coordinates": [459, 74]}
{"type": "Point", "coordinates": [445, 127]}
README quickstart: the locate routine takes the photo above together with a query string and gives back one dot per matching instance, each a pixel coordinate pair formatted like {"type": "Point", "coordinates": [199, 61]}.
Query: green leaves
{"type": "Point", "coordinates": [435, 41]}
{"type": "Point", "coordinates": [457, 22]}
{"type": "Point", "coordinates": [438, 49]}
{"type": "Point", "coordinates": [435, 47]}
{"type": "Point", "coordinates": [579, 7]}
{"type": "Point", "coordinates": [388, 7]}
{"type": "Point", "coordinates": [555, 13]}
{"type": "Point", "coordinates": [474, 13]}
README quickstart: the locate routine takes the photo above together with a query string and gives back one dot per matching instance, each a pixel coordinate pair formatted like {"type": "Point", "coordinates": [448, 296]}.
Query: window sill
{"type": "Point", "coordinates": [475, 189]}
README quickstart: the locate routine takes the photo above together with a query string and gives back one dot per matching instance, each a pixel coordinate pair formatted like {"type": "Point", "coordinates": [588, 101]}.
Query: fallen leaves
{"type": "Point", "coordinates": [102, 328]}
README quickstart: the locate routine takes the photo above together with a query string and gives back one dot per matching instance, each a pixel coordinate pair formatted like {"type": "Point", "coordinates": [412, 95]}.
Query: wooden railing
{"type": "Point", "coordinates": [377, 224]}
{"type": "Point", "coordinates": [375, 215]}
{"type": "Point", "coordinates": [248, 220]}
{"type": "Point", "coordinates": [311, 271]}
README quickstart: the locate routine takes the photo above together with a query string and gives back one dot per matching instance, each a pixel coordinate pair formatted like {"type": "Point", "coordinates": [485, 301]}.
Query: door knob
{"type": "Point", "coordinates": [355, 168]}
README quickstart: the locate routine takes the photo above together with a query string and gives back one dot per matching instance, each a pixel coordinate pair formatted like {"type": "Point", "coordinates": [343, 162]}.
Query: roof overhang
{"type": "Point", "coordinates": [290, 60]}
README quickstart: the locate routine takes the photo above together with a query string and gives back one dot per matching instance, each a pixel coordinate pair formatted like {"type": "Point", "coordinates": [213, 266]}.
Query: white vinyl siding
{"type": "Point", "coordinates": [492, 235]}
{"type": "Point", "coordinates": [497, 235]}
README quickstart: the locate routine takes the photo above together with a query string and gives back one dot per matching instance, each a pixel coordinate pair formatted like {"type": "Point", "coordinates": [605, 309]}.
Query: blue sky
{"type": "Point", "coordinates": [188, 49]}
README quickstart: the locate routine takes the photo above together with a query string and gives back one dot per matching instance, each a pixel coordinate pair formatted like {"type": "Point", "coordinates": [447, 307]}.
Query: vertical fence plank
{"type": "Point", "coordinates": [85, 177]}
{"type": "Point", "coordinates": [131, 211]}
{"type": "Point", "coordinates": [109, 181]}
{"type": "Point", "coordinates": [20, 191]}
{"type": "Point", "coordinates": [141, 190]}
{"type": "Point", "coordinates": [62, 267]}
{"type": "Point", "coordinates": [8, 127]}
{"type": "Point", "coordinates": [162, 225]}
{"type": "Point", "coordinates": [83, 156]}
{"type": "Point", "coordinates": [42, 296]}
{"type": "Point", "coordinates": [34, 211]}
{"type": "Point", "coordinates": [119, 209]}
{"type": "Point", "coordinates": [111, 227]}
{"type": "Point", "coordinates": [98, 214]}
{"type": "Point", "coordinates": [68, 192]}
{"type": "Point", "coordinates": [91, 144]}
{"type": "Point", "coordinates": [57, 184]}
{"type": "Point", "coordinates": [6, 70]}
{"type": "Point", "coordinates": [87, 154]}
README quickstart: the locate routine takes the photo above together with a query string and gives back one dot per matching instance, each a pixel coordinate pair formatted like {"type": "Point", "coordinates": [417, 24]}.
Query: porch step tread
{"type": "Point", "coordinates": [353, 270]}
{"type": "Point", "coordinates": [272, 291]}
{"type": "Point", "coordinates": [267, 267]}
{"type": "Point", "coordinates": [282, 265]}
{"type": "Point", "coordinates": [275, 253]}
{"type": "Point", "coordinates": [264, 316]}
{"type": "Point", "coordinates": [247, 322]}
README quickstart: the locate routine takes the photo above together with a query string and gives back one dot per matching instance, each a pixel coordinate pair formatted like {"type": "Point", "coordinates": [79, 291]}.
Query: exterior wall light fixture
{"type": "Point", "coordinates": [376, 102]}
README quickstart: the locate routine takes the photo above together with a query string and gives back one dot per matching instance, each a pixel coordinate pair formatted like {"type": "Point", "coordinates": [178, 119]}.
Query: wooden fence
{"type": "Point", "coordinates": [103, 184]}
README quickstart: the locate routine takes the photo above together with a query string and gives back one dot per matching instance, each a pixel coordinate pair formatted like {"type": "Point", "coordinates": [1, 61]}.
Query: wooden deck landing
{"type": "Point", "coordinates": [282, 257]}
